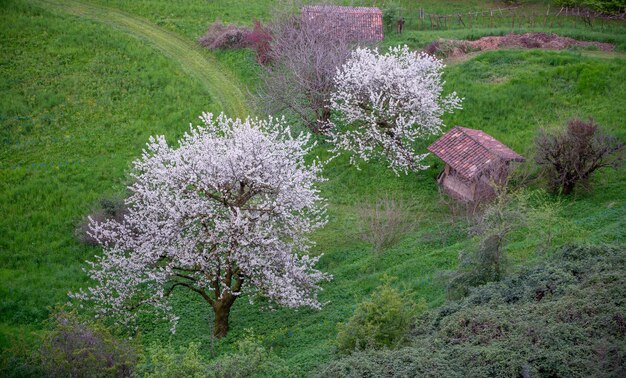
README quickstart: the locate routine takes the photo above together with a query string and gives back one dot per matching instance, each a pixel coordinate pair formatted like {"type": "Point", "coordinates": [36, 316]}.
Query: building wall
{"type": "Point", "coordinates": [479, 189]}
{"type": "Point", "coordinates": [457, 187]}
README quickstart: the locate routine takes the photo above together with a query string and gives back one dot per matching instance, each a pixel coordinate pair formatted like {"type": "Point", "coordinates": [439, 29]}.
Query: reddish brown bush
{"type": "Point", "coordinates": [260, 38]}
{"type": "Point", "coordinates": [569, 157]}
{"type": "Point", "coordinates": [219, 36]}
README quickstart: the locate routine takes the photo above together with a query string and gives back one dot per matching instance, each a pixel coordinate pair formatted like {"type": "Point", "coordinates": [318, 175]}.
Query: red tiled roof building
{"type": "Point", "coordinates": [474, 162]}
{"type": "Point", "coordinates": [362, 23]}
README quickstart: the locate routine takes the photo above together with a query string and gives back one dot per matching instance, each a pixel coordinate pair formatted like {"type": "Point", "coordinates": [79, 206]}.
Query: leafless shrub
{"type": "Point", "coordinates": [385, 222]}
{"type": "Point", "coordinates": [303, 57]}
{"type": "Point", "coordinates": [109, 208]}
{"type": "Point", "coordinates": [569, 157]}
{"type": "Point", "coordinates": [220, 36]}
{"type": "Point", "coordinates": [77, 349]}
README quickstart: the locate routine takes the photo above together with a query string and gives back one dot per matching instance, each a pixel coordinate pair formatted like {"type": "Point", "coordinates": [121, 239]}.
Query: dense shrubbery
{"type": "Point", "coordinates": [219, 36]}
{"type": "Point", "coordinates": [250, 359]}
{"type": "Point", "coordinates": [562, 318]}
{"type": "Point", "coordinates": [381, 321]}
{"type": "Point", "coordinates": [603, 6]}
{"type": "Point", "coordinates": [74, 348]}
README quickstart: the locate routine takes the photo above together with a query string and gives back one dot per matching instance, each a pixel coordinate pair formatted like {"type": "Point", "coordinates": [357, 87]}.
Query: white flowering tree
{"type": "Point", "coordinates": [225, 214]}
{"type": "Point", "coordinates": [384, 103]}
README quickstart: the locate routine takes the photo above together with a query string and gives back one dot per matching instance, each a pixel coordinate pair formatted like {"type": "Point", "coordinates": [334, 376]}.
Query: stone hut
{"type": "Point", "coordinates": [475, 161]}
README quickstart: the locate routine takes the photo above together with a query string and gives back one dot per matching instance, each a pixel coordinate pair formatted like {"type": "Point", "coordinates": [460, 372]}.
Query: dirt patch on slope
{"type": "Point", "coordinates": [455, 48]}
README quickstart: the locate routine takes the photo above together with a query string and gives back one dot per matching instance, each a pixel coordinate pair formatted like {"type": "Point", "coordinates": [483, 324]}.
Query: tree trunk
{"type": "Point", "coordinates": [568, 188]}
{"type": "Point", "coordinates": [221, 309]}
{"type": "Point", "coordinates": [321, 124]}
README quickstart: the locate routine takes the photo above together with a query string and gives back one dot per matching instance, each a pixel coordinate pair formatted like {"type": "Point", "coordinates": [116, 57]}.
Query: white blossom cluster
{"type": "Point", "coordinates": [385, 103]}
{"type": "Point", "coordinates": [227, 212]}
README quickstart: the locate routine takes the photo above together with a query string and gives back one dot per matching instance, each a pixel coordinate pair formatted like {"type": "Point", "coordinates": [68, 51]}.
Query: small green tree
{"type": "Point", "coordinates": [251, 359]}
{"type": "Point", "coordinates": [165, 361]}
{"type": "Point", "coordinates": [507, 212]}
{"type": "Point", "coordinates": [383, 320]}
{"type": "Point", "coordinates": [391, 14]}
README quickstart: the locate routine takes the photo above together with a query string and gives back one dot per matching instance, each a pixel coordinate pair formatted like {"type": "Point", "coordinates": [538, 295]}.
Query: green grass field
{"type": "Point", "coordinates": [83, 86]}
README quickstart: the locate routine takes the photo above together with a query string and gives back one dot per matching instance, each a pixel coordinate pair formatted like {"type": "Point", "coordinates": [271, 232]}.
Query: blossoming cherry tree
{"type": "Point", "coordinates": [226, 213]}
{"type": "Point", "coordinates": [385, 103]}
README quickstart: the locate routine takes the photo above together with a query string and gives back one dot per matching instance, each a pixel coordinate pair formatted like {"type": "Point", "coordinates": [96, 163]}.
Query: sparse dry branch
{"type": "Point", "coordinates": [385, 222]}
{"type": "Point", "coordinates": [303, 60]}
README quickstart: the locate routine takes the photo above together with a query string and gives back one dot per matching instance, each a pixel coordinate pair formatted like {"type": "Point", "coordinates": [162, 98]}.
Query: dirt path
{"type": "Point", "coordinates": [221, 86]}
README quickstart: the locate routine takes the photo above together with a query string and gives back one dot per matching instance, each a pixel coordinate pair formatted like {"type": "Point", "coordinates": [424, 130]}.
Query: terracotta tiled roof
{"type": "Point", "coordinates": [364, 23]}
{"type": "Point", "coordinates": [470, 151]}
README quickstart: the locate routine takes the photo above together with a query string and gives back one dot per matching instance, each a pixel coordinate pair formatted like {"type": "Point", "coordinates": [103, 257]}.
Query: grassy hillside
{"type": "Point", "coordinates": [80, 97]}
{"type": "Point", "coordinates": [522, 91]}
{"type": "Point", "coordinates": [78, 102]}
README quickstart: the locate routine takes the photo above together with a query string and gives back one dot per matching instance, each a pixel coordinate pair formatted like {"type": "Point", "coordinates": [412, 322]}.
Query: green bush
{"type": "Point", "coordinates": [507, 212]}
{"type": "Point", "coordinates": [250, 360]}
{"type": "Point", "coordinates": [478, 267]}
{"type": "Point", "coordinates": [381, 321]}
{"type": "Point", "coordinates": [391, 14]}
{"type": "Point", "coordinates": [165, 361]}
{"type": "Point", "coordinates": [561, 318]}
{"type": "Point", "coordinates": [405, 362]}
